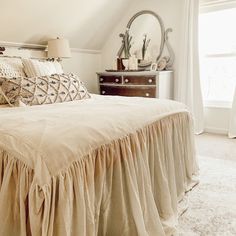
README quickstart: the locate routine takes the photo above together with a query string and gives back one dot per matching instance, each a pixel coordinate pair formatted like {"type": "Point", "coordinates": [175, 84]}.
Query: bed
{"type": "Point", "coordinates": [100, 166]}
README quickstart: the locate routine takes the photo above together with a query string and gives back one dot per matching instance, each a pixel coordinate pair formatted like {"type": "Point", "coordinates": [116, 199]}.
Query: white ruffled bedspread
{"type": "Point", "coordinates": [101, 166]}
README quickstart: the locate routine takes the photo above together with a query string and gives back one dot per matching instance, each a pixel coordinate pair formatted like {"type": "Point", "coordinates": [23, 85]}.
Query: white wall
{"type": "Point", "coordinates": [216, 119]}
{"type": "Point", "coordinates": [85, 65]}
{"type": "Point", "coordinates": [85, 23]}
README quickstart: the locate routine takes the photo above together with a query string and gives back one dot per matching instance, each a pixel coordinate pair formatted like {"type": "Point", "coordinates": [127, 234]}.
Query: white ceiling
{"type": "Point", "coordinates": [86, 23]}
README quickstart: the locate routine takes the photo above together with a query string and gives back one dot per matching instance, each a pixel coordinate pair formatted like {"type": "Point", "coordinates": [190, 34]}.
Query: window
{"type": "Point", "coordinates": [217, 48]}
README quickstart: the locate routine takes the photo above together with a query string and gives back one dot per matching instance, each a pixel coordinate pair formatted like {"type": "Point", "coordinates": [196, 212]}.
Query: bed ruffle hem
{"type": "Point", "coordinates": [131, 186]}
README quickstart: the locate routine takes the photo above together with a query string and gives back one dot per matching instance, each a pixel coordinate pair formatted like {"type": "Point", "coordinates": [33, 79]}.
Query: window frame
{"type": "Point", "coordinates": [207, 7]}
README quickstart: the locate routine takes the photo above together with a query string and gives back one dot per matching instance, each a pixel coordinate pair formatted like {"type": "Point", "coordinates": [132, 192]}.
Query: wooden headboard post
{"type": "Point", "coordinates": [2, 49]}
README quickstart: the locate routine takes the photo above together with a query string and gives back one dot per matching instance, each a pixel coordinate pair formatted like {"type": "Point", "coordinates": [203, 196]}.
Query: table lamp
{"type": "Point", "coordinates": [58, 49]}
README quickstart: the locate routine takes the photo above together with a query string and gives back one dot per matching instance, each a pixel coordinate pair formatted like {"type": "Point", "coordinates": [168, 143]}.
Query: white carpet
{"type": "Point", "coordinates": [212, 204]}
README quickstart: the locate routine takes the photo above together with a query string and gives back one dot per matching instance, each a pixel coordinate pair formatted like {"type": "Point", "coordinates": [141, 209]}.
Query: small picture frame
{"type": "Point", "coordinates": [153, 66]}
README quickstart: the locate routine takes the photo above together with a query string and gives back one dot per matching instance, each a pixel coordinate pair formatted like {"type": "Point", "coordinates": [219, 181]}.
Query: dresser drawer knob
{"type": "Point", "coordinates": [103, 92]}
{"type": "Point", "coordinates": [150, 81]}
{"type": "Point", "coordinates": [117, 80]}
{"type": "Point", "coordinates": [126, 81]}
{"type": "Point", "coordinates": [101, 79]}
{"type": "Point", "coordinates": [147, 94]}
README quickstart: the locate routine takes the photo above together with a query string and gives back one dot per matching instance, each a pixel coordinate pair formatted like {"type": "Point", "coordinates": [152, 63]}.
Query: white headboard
{"type": "Point", "coordinates": [22, 50]}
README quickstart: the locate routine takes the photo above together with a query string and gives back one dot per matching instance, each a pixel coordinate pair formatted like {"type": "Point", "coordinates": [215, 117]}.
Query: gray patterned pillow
{"type": "Point", "coordinates": [43, 90]}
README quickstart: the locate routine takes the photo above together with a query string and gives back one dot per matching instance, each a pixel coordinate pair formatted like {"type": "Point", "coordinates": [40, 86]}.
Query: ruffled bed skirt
{"type": "Point", "coordinates": [131, 187]}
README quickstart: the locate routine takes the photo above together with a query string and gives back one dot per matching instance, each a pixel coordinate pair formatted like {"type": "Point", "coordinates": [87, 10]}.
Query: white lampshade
{"type": "Point", "coordinates": [59, 48]}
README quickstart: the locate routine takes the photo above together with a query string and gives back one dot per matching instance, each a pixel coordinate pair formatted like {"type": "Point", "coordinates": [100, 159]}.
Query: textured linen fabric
{"type": "Point", "coordinates": [100, 166]}
{"type": "Point", "coordinates": [43, 90]}
{"type": "Point", "coordinates": [10, 67]}
{"type": "Point", "coordinates": [35, 67]}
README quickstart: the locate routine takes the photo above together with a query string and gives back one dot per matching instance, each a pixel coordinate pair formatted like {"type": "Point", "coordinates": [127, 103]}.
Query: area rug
{"type": "Point", "coordinates": [212, 204]}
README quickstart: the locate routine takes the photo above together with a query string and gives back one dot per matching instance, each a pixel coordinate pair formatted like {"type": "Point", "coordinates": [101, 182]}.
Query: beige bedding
{"type": "Point", "coordinates": [102, 166]}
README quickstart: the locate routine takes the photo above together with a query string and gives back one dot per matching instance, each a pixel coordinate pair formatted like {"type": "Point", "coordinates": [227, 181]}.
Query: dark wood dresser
{"type": "Point", "coordinates": [137, 84]}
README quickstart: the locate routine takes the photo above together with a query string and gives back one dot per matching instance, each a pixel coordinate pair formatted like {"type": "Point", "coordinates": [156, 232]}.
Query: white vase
{"type": "Point", "coordinates": [126, 63]}
{"type": "Point", "coordinates": [133, 63]}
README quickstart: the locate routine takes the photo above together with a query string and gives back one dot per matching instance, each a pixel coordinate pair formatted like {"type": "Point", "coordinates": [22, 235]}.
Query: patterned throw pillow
{"type": "Point", "coordinates": [35, 67]}
{"type": "Point", "coordinates": [43, 90]}
{"type": "Point", "coordinates": [2, 99]}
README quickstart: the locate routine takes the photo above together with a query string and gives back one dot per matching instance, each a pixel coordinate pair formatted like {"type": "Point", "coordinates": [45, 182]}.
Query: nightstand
{"type": "Point", "coordinates": [150, 84]}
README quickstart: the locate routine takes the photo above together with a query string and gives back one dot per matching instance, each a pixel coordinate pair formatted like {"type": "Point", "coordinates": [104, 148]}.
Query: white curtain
{"type": "Point", "coordinates": [188, 87]}
{"type": "Point", "coordinates": [232, 123]}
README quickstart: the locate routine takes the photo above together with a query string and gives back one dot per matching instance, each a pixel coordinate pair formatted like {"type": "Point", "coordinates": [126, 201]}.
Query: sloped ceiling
{"type": "Point", "coordinates": [86, 23]}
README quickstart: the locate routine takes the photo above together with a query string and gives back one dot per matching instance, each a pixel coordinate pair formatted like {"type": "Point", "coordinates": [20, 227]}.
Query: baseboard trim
{"type": "Point", "coordinates": [215, 130]}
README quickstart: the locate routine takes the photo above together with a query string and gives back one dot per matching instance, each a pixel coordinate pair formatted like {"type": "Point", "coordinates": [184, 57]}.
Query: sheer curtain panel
{"type": "Point", "coordinates": [232, 124]}
{"type": "Point", "coordinates": [188, 87]}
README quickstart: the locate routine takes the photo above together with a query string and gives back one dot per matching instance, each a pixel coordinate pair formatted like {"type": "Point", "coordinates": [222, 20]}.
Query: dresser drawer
{"type": "Point", "coordinates": [110, 79]}
{"type": "Point", "coordinates": [139, 80]}
{"type": "Point", "coordinates": [128, 91]}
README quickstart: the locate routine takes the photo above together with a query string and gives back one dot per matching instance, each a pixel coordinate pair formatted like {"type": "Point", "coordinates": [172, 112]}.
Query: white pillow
{"type": "Point", "coordinates": [34, 68]}
{"type": "Point", "coordinates": [58, 67]}
{"type": "Point", "coordinates": [11, 67]}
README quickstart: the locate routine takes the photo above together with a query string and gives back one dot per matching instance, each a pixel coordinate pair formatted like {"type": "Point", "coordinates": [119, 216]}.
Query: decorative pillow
{"type": "Point", "coordinates": [43, 90]}
{"type": "Point", "coordinates": [2, 99]}
{"type": "Point", "coordinates": [10, 67]}
{"type": "Point", "coordinates": [34, 68]}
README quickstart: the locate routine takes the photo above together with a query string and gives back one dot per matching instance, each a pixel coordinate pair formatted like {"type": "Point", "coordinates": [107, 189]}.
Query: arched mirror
{"type": "Point", "coordinates": [145, 38]}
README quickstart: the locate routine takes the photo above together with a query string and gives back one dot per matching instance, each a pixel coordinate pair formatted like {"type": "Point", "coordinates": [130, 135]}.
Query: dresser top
{"type": "Point", "coordinates": [135, 73]}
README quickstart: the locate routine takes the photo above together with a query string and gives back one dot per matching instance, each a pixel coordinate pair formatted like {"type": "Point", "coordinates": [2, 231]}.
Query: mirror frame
{"type": "Point", "coordinates": [164, 39]}
{"type": "Point", "coordinates": [145, 12]}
